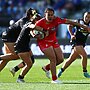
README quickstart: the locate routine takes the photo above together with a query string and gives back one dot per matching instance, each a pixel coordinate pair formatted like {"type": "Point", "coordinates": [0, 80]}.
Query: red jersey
{"type": "Point", "coordinates": [52, 27]}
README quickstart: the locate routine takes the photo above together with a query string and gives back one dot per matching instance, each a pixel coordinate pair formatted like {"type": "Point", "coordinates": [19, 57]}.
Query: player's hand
{"type": "Point", "coordinates": [73, 37]}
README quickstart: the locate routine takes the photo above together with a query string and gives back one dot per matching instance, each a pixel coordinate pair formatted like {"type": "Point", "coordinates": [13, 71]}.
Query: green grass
{"type": "Point", "coordinates": [72, 78]}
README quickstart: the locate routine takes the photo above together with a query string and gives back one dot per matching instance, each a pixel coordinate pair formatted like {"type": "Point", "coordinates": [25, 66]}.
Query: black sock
{"type": "Point", "coordinates": [32, 58]}
{"type": "Point", "coordinates": [16, 68]}
{"type": "Point", "coordinates": [84, 70]}
{"type": "Point", "coordinates": [62, 69]}
{"type": "Point", "coordinates": [21, 77]}
{"type": "Point", "coordinates": [0, 59]}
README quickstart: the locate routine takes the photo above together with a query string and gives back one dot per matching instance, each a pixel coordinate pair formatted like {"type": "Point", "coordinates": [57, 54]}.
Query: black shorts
{"type": "Point", "coordinates": [80, 39]}
{"type": "Point", "coordinates": [11, 34]}
{"type": "Point", "coordinates": [22, 43]}
{"type": "Point", "coordinates": [77, 43]}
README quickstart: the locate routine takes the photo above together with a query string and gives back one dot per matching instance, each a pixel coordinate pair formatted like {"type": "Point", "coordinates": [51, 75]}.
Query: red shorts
{"type": "Point", "coordinates": [44, 45]}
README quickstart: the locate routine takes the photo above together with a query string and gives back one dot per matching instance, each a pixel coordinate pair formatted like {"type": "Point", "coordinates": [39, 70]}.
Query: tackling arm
{"type": "Point", "coordinates": [78, 24]}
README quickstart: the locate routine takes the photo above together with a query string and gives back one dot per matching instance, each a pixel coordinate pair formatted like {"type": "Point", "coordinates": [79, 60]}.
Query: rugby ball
{"type": "Point", "coordinates": [37, 34]}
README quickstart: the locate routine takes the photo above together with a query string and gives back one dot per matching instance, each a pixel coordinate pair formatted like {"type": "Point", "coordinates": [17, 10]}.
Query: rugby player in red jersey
{"type": "Point", "coordinates": [21, 41]}
{"type": "Point", "coordinates": [49, 45]}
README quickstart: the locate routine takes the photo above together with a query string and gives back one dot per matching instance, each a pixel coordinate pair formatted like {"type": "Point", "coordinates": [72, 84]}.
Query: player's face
{"type": "Point", "coordinates": [49, 15]}
{"type": "Point", "coordinates": [87, 17]}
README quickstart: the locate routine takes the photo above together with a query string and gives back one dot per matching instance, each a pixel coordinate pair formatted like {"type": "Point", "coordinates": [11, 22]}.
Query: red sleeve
{"type": "Point", "coordinates": [61, 21]}
{"type": "Point", "coordinates": [39, 22]}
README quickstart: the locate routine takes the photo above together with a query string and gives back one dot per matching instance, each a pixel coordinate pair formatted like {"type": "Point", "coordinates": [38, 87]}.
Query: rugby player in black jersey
{"type": "Point", "coordinates": [78, 40]}
{"type": "Point", "coordinates": [22, 48]}
{"type": "Point", "coordinates": [10, 36]}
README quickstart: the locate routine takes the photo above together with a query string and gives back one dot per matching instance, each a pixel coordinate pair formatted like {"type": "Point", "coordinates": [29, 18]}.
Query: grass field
{"type": "Point", "coordinates": [72, 78]}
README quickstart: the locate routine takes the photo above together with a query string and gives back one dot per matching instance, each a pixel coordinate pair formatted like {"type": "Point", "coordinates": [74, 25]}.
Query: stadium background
{"type": "Point", "coordinates": [71, 9]}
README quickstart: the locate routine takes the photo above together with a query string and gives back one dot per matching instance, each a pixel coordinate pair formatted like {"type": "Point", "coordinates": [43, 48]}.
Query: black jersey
{"type": "Point", "coordinates": [80, 34]}
{"type": "Point", "coordinates": [22, 43]}
{"type": "Point", "coordinates": [11, 34]}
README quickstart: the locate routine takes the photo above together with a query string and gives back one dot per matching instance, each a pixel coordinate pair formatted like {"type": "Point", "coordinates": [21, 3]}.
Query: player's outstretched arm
{"type": "Point", "coordinates": [78, 24]}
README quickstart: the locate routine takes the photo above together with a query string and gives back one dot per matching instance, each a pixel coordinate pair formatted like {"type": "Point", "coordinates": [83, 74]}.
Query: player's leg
{"type": "Point", "coordinates": [28, 64]}
{"type": "Point", "coordinates": [83, 55]}
{"type": "Point", "coordinates": [21, 65]}
{"type": "Point", "coordinates": [52, 58]}
{"type": "Point", "coordinates": [16, 68]}
{"type": "Point", "coordinates": [68, 62]}
{"type": "Point", "coordinates": [59, 59]}
{"type": "Point", "coordinates": [59, 55]}
{"type": "Point", "coordinates": [3, 64]}
{"type": "Point", "coordinates": [10, 55]}
{"type": "Point", "coordinates": [10, 52]}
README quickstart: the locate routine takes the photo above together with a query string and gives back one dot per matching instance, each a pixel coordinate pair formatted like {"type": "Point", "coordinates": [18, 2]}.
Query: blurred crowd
{"type": "Point", "coordinates": [17, 8]}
